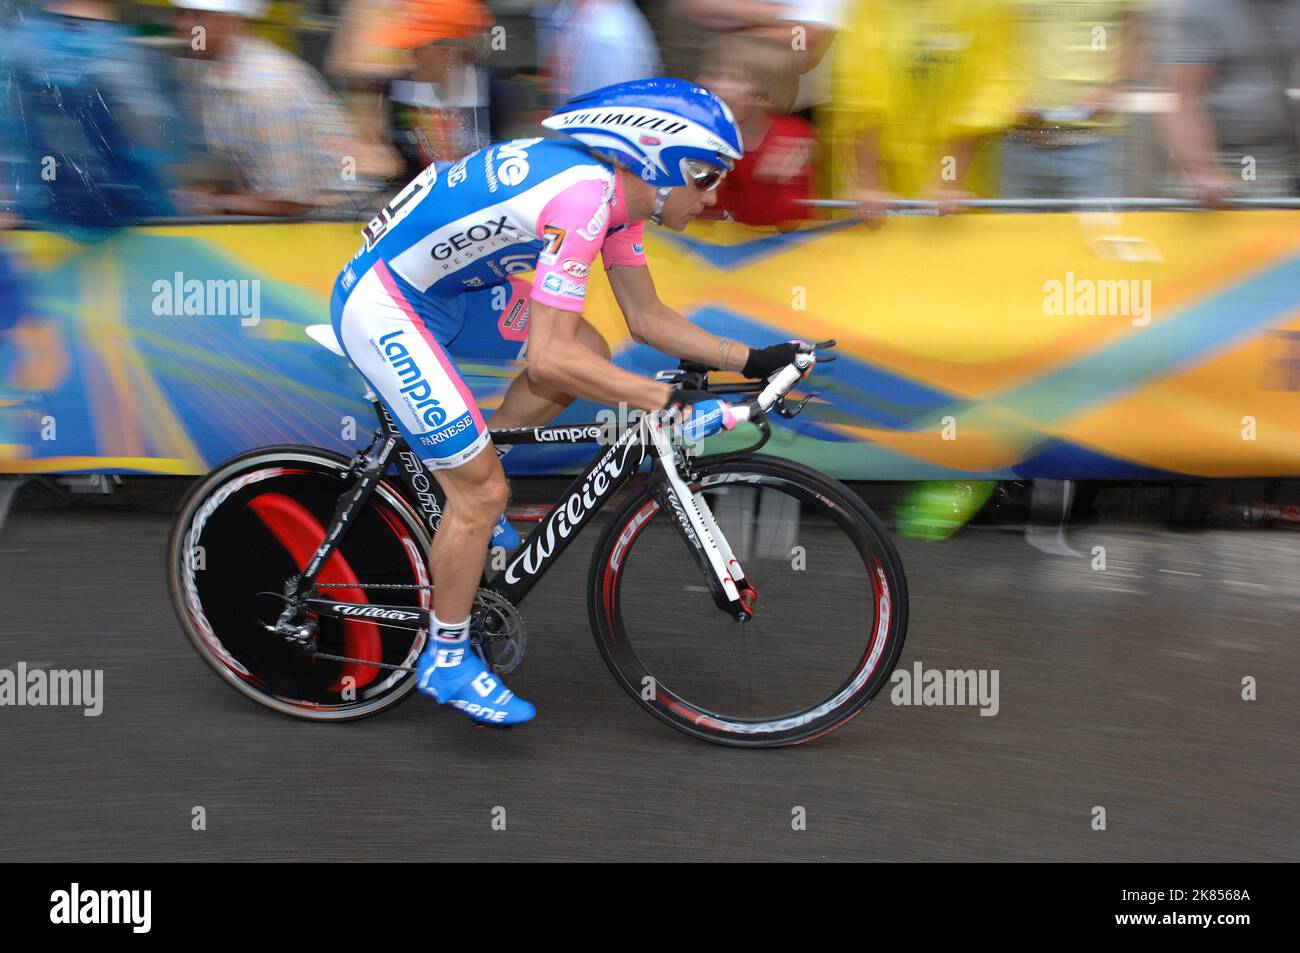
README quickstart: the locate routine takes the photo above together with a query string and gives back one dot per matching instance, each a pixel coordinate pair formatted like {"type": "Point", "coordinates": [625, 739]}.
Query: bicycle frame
{"type": "Point", "coordinates": [582, 500]}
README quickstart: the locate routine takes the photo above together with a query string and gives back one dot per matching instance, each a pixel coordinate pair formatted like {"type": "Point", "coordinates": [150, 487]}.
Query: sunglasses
{"type": "Point", "coordinates": [704, 177]}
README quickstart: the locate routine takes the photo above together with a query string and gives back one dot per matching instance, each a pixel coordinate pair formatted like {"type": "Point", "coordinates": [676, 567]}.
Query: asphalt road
{"type": "Point", "coordinates": [1118, 688]}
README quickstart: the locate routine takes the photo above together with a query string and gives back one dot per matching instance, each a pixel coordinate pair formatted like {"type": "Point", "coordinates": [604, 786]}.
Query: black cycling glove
{"type": "Point", "coordinates": [765, 361]}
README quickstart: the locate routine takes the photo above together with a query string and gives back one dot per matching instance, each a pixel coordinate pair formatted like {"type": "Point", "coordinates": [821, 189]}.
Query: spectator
{"type": "Point", "coordinates": [33, 357]}
{"type": "Point", "coordinates": [438, 110]}
{"type": "Point", "coordinates": [12, 309]}
{"type": "Point", "coordinates": [807, 27]}
{"type": "Point", "coordinates": [586, 44]}
{"type": "Point", "coordinates": [1078, 57]}
{"type": "Point", "coordinates": [87, 137]}
{"type": "Point", "coordinates": [758, 78]}
{"type": "Point", "coordinates": [353, 55]}
{"type": "Point", "coordinates": [1233, 129]}
{"type": "Point", "coordinates": [918, 89]}
{"type": "Point", "coordinates": [282, 143]}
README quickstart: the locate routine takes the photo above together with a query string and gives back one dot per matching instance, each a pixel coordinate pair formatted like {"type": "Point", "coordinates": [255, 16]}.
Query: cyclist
{"type": "Point", "coordinates": [651, 149]}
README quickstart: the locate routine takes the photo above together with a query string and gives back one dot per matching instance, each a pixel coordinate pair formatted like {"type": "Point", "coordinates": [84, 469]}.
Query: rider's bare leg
{"type": "Point", "coordinates": [476, 496]}
{"type": "Point", "coordinates": [529, 404]}
{"type": "Point", "coordinates": [450, 669]}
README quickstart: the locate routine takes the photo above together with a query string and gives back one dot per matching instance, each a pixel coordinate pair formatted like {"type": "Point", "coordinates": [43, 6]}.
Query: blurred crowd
{"type": "Point", "coordinates": [114, 112]}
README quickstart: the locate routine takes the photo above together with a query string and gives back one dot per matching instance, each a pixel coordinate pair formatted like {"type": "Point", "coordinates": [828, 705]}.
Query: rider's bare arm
{"type": "Point", "coordinates": [557, 359]}
{"type": "Point", "coordinates": [654, 323]}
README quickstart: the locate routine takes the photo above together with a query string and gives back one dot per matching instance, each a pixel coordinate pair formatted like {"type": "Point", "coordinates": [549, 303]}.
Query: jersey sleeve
{"type": "Point", "coordinates": [625, 247]}
{"type": "Point", "coordinates": [572, 227]}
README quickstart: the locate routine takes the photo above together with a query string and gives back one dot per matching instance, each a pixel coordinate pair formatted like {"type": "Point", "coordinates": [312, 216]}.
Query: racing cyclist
{"type": "Point", "coordinates": [651, 149]}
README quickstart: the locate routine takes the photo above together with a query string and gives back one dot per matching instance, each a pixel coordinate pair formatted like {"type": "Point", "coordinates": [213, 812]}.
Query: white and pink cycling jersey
{"type": "Point", "coordinates": [545, 206]}
{"type": "Point", "coordinates": [510, 208]}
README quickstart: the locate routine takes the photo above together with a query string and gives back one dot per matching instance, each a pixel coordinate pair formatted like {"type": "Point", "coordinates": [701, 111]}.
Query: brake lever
{"type": "Point", "coordinates": [782, 407]}
{"type": "Point", "coordinates": [819, 347]}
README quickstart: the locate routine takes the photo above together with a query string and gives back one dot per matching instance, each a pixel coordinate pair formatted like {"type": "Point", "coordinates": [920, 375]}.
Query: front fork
{"type": "Point", "coordinates": [708, 546]}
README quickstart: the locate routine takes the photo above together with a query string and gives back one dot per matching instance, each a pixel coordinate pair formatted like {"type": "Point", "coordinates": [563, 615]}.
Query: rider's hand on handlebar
{"type": "Point", "coordinates": [698, 413]}
{"type": "Point", "coordinates": [766, 361]}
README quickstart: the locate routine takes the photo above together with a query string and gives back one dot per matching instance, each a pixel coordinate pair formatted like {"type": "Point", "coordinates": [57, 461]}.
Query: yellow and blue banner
{"type": "Point", "coordinates": [981, 346]}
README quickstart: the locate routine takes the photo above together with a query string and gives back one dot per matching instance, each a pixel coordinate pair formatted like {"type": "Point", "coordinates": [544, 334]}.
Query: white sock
{"type": "Point", "coordinates": [443, 632]}
{"type": "Point", "coordinates": [450, 643]}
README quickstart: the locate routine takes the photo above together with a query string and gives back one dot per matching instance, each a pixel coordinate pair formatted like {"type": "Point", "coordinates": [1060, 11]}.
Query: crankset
{"type": "Point", "coordinates": [496, 630]}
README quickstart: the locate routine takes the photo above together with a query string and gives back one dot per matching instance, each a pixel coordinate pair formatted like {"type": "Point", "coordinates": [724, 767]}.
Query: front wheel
{"type": "Point", "coordinates": [829, 621]}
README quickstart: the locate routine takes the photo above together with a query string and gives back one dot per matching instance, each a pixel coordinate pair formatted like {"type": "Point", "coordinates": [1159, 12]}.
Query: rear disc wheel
{"type": "Point", "coordinates": [248, 528]}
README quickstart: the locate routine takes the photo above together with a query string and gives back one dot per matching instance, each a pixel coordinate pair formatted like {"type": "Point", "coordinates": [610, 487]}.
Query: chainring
{"type": "Point", "coordinates": [497, 631]}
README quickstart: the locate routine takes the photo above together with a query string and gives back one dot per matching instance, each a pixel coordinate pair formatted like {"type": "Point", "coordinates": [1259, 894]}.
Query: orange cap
{"type": "Point", "coordinates": [417, 22]}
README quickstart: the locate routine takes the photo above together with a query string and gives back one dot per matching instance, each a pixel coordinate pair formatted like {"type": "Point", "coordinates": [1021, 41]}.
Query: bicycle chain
{"type": "Point", "coordinates": [476, 638]}
{"type": "Point", "coordinates": [401, 668]}
{"type": "Point", "coordinates": [370, 585]}
{"type": "Point", "coordinates": [344, 658]}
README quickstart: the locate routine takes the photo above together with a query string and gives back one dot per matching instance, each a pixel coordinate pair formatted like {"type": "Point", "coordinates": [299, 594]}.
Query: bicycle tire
{"type": "Point", "coordinates": [830, 499]}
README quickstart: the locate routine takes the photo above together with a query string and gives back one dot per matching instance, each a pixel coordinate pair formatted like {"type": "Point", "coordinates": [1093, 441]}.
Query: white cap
{"type": "Point", "coordinates": [250, 9]}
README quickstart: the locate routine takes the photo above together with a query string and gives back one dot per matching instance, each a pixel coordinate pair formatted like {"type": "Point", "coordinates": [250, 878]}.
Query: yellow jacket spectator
{"type": "Point", "coordinates": [917, 87]}
{"type": "Point", "coordinates": [916, 82]}
{"type": "Point", "coordinates": [1078, 57]}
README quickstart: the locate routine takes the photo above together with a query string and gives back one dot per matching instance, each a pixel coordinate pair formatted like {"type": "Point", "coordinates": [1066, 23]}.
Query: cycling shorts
{"type": "Point", "coordinates": [401, 341]}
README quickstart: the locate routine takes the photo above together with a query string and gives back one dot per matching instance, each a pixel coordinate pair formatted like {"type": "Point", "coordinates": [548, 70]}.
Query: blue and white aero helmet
{"type": "Point", "coordinates": [653, 126]}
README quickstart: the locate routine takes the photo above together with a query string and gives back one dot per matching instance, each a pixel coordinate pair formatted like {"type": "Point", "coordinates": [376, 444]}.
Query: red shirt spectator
{"type": "Point", "coordinates": [777, 171]}
{"type": "Point", "coordinates": [757, 78]}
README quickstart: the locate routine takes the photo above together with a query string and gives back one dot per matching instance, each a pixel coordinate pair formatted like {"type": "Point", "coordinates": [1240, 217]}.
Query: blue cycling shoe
{"type": "Point", "coordinates": [453, 674]}
{"type": "Point", "coordinates": [505, 535]}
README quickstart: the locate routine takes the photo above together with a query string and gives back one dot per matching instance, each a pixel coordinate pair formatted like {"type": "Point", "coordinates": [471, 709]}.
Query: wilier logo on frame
{"type": "Point", "coordinates": [102, 907]}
